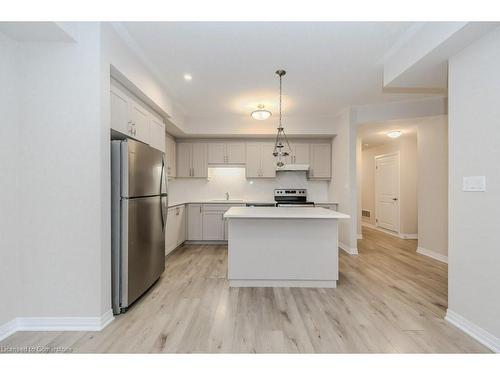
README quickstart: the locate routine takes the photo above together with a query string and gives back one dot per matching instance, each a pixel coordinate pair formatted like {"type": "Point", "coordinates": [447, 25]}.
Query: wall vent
{"type": "Point", "coordinates": [366, 213]}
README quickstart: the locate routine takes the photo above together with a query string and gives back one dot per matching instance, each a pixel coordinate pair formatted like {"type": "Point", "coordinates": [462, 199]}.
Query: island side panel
{"type": "Point", "coordinates": [283, 252]}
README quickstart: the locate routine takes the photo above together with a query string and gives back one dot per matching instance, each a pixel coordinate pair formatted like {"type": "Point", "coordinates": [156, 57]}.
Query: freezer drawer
{"type": "Point", "coordinates": [143, 245]}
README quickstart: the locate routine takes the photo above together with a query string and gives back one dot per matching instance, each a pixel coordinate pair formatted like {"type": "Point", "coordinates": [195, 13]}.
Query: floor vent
{"type": "Point", "coordinates": [366, 213]}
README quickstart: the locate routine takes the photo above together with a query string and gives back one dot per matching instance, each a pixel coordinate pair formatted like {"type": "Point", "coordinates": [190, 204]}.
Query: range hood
{"type": "Point", "coordinates": [293, 168]}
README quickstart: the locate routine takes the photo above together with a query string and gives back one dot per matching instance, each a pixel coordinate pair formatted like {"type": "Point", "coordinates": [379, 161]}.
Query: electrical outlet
{"type": "Point", "coordinates": [474, 183]}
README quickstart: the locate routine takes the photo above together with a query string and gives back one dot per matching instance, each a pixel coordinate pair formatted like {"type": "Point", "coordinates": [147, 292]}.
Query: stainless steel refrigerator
{"type": "Point", "coordinates": [139, 213]}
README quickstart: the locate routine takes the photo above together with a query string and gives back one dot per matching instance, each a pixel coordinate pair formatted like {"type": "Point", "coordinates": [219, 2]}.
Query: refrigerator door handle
{"type": "Point", "coordinates": [162, 214]}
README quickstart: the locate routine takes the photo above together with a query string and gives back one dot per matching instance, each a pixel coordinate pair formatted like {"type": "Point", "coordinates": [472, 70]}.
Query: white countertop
{"type": "Point", "coordinates": [211, 201]}
{"type": "Point", "coordinates": [283, 213]}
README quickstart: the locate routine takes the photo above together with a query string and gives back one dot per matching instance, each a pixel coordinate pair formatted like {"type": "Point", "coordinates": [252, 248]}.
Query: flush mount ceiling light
{"type": "Point", "coordinates": [282, 147]}
{"type": "Point", "coordinates": [188, 77]}
{"type": "Point", "coordinates": [394, 134]}
{"type": "Point", "coordinates": [261, 113]}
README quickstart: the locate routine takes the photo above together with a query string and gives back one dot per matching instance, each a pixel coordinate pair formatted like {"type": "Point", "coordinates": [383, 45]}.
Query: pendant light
{"type": "Point", "coordinates": [282, 147]}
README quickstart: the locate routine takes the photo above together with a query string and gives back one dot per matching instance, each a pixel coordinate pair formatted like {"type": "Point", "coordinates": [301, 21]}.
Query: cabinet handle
{"type": "Point", "coordinates": [200, 209]}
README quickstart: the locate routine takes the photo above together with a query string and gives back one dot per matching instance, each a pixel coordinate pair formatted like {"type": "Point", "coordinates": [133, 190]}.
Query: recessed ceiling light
{"type": "Point", "coordinates": [261, 113]}
{"type": "Point", "coordinates": [394, 134]}
{"type": "Point", "coordinates": [188, 77]}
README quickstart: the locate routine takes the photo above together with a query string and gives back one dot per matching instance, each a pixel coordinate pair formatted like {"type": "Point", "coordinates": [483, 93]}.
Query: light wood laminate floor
{"type": "Point", "coordinates": [389, 299]}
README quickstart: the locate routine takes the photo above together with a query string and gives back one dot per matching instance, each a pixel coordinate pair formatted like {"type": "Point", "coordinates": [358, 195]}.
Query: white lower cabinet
{"type": "Point", "coordinates": [205, 222]}
{"type": "Point", "coordinates": [213, 225]}
{"type": "Point", "coordinates": [176, 228]}
{"type": "Point", "coordinates": [194, 222]}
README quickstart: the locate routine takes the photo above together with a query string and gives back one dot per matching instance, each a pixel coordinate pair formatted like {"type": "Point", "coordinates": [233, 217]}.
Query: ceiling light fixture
{"type": "Point", "coordinates": [188, 77]}
{"type": "Point", "coordinates": [261, 113]}
{"type": "Point", "coordinates": [394, 134]}
{"type": "Point", "coordinates": [282, 147]}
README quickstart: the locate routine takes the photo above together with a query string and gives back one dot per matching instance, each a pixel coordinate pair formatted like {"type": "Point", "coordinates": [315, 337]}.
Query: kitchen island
{"type": "Point", "coordinates": [283, 246]}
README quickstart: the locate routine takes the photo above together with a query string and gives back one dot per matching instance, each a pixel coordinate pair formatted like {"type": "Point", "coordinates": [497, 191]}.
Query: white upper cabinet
{"type": "Point", "coordinates": [235, 153]}
{"type": "Point", "coordinates": [156, 133]}
{"type": "Point", "coordinates": [300, 153]}
{"type": "Point", "coordinates": [140, 122]}
{"type": "Point", "coordinates": [120, 111]}
{"type": "Point", "coordinates": [134, 119]}
{"type": "Point", "coordinates": [268, 161]}
{"type": "Point", "coordinates": [226, 153]}
{"type": "Point", "coordinates": [170, 156]}
{"type": "Point", "coordinates": [260, 161]}
{"type": "Point", "coordinates": [216, 153]}
{"type": "Point", "coordinates": [321, 161]}
{"type": "Point", "coordinates": [192, 159]}
{"type": "Point", "coordinates": [253, 160]}
{"type": "Point", "coordinates": [183, 159]}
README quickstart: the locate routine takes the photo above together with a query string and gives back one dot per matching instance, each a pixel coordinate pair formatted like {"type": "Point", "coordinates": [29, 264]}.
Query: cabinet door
{"type": "Point", "coordinates": [253, 155]}
{"type": "Point", "coordinates": [321, 161]}
{"type": "Point", "coordinates": [170, 155]}
{"type": "Point", "coordinates": [181, 220]}
{"type": "Point", "coordinates": [194, 222]}
{"type": "Point", "coordinates": [156, 133]}
{"type": "Point", "coordinates": [120, 120]}
{"type": "Point", "coordinates": [216, 153]}
{"type": "Point", "coordinates": [235, 153]}
{"type": "Point", "coordinates": [140, 120]}
{"type": "Point", "coordinates": [199, 160]}
{"type": "Point", "coordinates": [213, 225]}
{"type": "Point", "coordinates": [268, 161]}
{"type": "Point", "coordinates": [170, 234]}
{"type": "Point", "coordinates": [183, 160]}
{"type": "Point", "coordinates": [300, 153]}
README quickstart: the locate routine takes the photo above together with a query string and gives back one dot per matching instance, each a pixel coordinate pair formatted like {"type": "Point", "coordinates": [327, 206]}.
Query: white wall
{"type": "Point", "coordinates": [407, 148]}
{"type": "Point", "coordinates": [122, 57]}
{"type": "Point", "coordinates": [9, 167]}
{"type": "Point", "coordinates": [432, 136]}
{"type": "Point", "coordinates": [233, 181]}
{"type": "Point", "coordinates": [343, 188]}
{"type": "Point", "coordinates": [474, 150]}
{"type": "Point", "coordinates": [60, 131]}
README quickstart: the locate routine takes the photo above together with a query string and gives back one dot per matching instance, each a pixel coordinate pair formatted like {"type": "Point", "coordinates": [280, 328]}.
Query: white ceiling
{"type": "Point", "coordinates": [373, 135]}
{"type": "Point", "coordinates": [330, 65]}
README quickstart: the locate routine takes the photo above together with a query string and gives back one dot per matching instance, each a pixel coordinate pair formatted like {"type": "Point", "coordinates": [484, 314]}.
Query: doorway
{"type": "Point", "coordinates": [387, 183]}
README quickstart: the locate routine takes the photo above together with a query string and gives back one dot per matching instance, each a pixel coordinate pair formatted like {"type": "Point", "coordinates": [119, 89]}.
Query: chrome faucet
{"type": "Point", "coordinates": [227, 196]}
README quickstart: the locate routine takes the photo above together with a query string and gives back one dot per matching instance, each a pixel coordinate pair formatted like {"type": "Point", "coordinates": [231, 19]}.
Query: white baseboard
{"type": "Point", "coordinates": [348, 250]}
{"type": "Point", "coordinates": [432, 254]}
{"type": "Point", "coordinates": [403, 236]}
{"type": "Point", "coordinates": [408, 236]}
{"type": "Point", "coordinates": [56, 324]}
{"type": "Point", "coordinates": [8, 329]}
{"type": "Point", "coordinates": [474, 331]}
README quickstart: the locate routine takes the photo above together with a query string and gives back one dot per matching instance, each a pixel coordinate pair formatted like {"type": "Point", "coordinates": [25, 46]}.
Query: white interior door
{"type": "Point", "coordinates": [387, 191]}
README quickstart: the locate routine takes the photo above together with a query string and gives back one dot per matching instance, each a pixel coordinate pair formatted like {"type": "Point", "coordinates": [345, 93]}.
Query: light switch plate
{"type": "Point", "coordinates": [474, 183]}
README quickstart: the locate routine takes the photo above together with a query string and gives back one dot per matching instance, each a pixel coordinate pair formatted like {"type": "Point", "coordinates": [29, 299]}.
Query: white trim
{"type": "Point", "coordinates": [8, 329]}
{"type": "Point", "coordinates": [258, 283]}
{"type": "Point", "coordinates": [92, 323]}
{"type": "Point", "coordinates": [432, 254]}
{"type": "Point", "coordinates": [348, 250]}
{"type": "Point", "coordinates": [408, 236]}
{"type": "Point", "coordinates": [360, 236]}
{"type": "Point", "coordinates": [403, 236]}
{"type": "Point", "coordinates": [484, 337]}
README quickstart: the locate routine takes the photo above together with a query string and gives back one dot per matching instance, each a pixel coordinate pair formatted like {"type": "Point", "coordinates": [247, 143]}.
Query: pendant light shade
{"type": "Point", "coordinates": [282, 147]}
{"type": "Point", "coordinates": [261, 113]}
